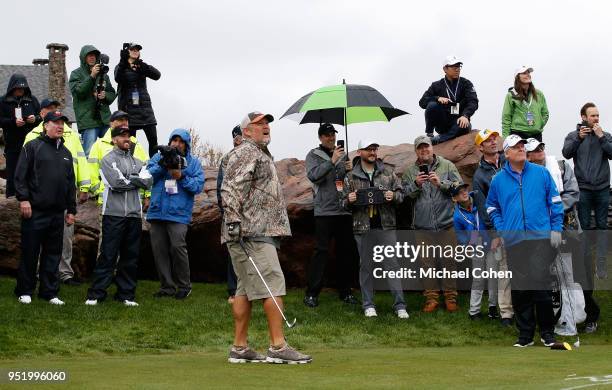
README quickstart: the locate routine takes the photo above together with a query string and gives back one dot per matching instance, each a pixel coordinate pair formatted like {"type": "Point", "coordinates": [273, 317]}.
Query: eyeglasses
{"type": "Point", "coordinates": [371, 150]}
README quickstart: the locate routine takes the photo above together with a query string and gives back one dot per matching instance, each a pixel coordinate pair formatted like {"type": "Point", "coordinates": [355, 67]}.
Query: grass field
{"type": "Point", "coordinates": [183, 344]}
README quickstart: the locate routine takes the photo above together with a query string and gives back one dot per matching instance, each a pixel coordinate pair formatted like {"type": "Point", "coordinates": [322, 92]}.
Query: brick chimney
{"type": "Point", "coordinates": [57, 72]}
{"type": "Point", "coordinates": [40, 61]}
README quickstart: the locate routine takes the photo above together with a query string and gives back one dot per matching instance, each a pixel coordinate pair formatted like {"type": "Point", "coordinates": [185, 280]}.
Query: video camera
{"type": "Point", "coordinates": [103, 62]}
{"type": "Point", "coordinates": [171, 157]}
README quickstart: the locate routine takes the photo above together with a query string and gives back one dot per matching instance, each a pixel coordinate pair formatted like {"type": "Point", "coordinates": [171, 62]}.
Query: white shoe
{"type": "Point", "coordinates": [370, 312]}
{"type": "Point", "coordinates": [91, 302]}
{"type": "Point", "coordinates": [402, 313]}
{"type": "Point", "coordinates": [25, 299]}
{"type": "Point", "coordinates": [56, 301]}
{"type": "Point", "coordinates": [130, 303]}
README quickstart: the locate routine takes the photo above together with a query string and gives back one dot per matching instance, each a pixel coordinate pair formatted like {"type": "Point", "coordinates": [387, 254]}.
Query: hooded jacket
{"type": "Point", "coordinates": [123, 176]}
{"type": "Point", "coordinates": [484, 174]}
{"type": "Point", "coordinates": [591, 156]}
{"type": "Point", "coordinates": [129, 81]}
{"type": "Point", "coordinates": [72, 142]}
{"type": "Point", "coordinates": [514, 114]}
{"type": "Point", "coordinates": [433, 206]}
{"type": "Point", "coordinates": [45, 177]}
{"type": "Point", "coordinates": [175, 207]}
{"type": "Point", "coordinates": [82, 88]}
{"type": "Point", "coordinates": [322, 174]}
{"type": "Point", "coordinates": [384, 177]}
{"type": "Point", "coordinates": [100, 149]}
{"type": "Point", "coordinates": [526, 207]}
{"type": "Point", "coordinates": [14, 136]}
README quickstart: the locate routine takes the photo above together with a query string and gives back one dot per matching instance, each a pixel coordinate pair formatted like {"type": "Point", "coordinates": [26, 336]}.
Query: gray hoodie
{"type": "Point", "coordinates": [123, 175]}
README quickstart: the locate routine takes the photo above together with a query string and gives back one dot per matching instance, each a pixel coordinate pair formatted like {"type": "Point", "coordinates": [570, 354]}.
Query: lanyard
{"type": "Point", "coordinates": [530, 101]}
{"type": "Point", "coordinates": [449, 93]}
{"type": "Point", "coordinates": [470, 222]}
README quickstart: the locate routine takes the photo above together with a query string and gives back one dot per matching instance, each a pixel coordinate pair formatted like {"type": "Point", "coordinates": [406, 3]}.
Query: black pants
{"type": "Point", "coordinates": [41, 236]}
{"type": "Point", "coordinates": [151, 133]}
{"type": "Point", "coordinates": [339, 227]}
{"type": "Point", "coordinates": [438, 117]}
{"type": "Point", "coordinates": [583, 273]}
{"type": "Point", "coordinates": [12, 156]}
{"type": "Point", "coordinates": [120, 237]}
{"type": "Point", "coordinates": [530, 262]}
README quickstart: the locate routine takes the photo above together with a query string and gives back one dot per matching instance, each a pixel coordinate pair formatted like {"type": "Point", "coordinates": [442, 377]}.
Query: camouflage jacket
{"type": "Point", "coordinates": [383, 177]}
{"type": "Point", "coordinates": [252, 194]}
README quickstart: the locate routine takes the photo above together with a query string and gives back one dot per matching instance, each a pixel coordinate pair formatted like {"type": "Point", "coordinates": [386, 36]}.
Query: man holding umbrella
{"type": "Point", "coordinates": [254, 220]}
{"type": "Point", "coordinates": [326, 167]}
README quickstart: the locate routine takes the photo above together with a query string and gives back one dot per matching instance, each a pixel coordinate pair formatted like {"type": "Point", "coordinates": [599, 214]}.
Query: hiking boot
{"type": "Point", "coordinates": [25, 299]}
{"type": "Point", "coordinates": [311, 301]}
{"type": "Point", "coordinates": [402, 313]}
{"type": "Point", "coordinates": [548, 339]}
{"type": "Point", "coordinates": [523, 343]}
{"type": "Point", "coordinates": [72, 282]}
{"type": "Point", "coordinates": [350, 299]}
{"type": "Point", "coordinates": [245, 355]}
{"type": "Point", "coordinates": [493, 313]}
{"type": "Point", "coordinates": [476, 317]}
{"type": "Point", "coordinates": [506, 322]}
{"type": "Point", "coordinates": [287, 355]}
{"type": "Point", "coordinates": [451, 305]}
{"type": "Point", "coordinates": [430, 306]}
{"type": "Point", "coordinates": [162, 294]}
{"type": "Point", "coordinates": [182, 294]}
{"type": "Point", "coordinates": [590, 327]}
{"type": "Point", "coordinates": [56, 301]}
{"type": "Point", "coordinates": [370, 312]}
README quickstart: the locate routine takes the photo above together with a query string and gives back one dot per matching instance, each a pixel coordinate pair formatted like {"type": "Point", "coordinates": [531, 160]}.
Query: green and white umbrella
{"type": "Point", "coordinates": [343, 104]}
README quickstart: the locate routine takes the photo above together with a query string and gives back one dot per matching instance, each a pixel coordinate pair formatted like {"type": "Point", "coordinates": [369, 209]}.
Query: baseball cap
{"type": "Point", "coordinates": [236, 131]}
{"type": "Point", "coordinates": [254, 117]}
{"type": "Point", "coordinates": [483, 135]}
{"type": "Point", "coordinates": [523, 69]}
{"type": "Point", "coordinates": [364, 143]}
{"type": "Point", "coordinates": [422, 139]}
{"type": "Point", "coordinates": [455, 188]}
{"type": "Point", "coordinates": [327, 128]}
{"type": "Point", "coordinates": [452, 60]}
{"type": "Point", "coordinates": [118, 115]}
{"type": "Point", "coordinates": [134, 45]}
{"type": "Point", "coordinates": [55, 116]}
{"type": "Point", "coordinates": [532, 144]}
{"type": "Point", "coordinates": [512, 140]}
{"type": "Point", "coordinates": [49, 102]}
{"type": "Point", "coordinates": [119, 130]}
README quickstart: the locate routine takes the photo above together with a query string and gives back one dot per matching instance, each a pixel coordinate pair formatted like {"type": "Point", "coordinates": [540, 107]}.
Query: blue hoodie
{"type": "Point", "coordinates": [525, 206]}
{"type": "Point", "coordinates": [175, 207]}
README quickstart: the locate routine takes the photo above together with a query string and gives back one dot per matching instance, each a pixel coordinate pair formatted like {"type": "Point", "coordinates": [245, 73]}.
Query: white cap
{"type": "Point", "coordinates": [512, 140]}
{"type": "Point", "coordinates": [452, 60]}
{"type": "Point", "coordinates": [532, 144]}
{"type": "Point", "coordinates": [523, 69]}
{"type": "Point", "coordinates": [364, 143]}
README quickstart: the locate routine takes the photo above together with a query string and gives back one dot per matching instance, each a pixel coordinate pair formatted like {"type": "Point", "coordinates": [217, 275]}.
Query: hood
{"type": "Point", "coordinates": [86, 50]}
{"type": "Point", "coordinates": [184, 134]}
{"type": "Point", "coordinates": [18, 80]}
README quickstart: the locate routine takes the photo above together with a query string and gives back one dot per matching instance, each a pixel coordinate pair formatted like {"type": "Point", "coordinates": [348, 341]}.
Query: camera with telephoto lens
{"type": "Point", "coordinates": [103, 61]}
{"type": "Point", "coordinates": [171, 157]}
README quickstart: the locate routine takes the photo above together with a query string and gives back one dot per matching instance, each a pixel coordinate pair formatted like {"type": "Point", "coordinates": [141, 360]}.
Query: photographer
{"type": "Point", "coordinates": [92, 94]}
{"type": "Point", "coordinates": [131, 77]}
{"type": "Point", "coordinates": [177, 178]}
{"type": "Point", "coordinates": [369, 171]}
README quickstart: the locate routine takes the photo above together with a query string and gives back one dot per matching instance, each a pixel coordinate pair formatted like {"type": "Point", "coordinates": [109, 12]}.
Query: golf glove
{"type": "Point", "coordinates": [555, 239]}
{"type": "Point", "coordinates": [233, 229]}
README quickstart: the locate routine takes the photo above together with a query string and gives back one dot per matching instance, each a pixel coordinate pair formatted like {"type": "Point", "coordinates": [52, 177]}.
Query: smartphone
{"type": "Point", "coordinates": [424, 169]}
{"type": "Point", "coordinates": [18, 113]}
{"type": "Point", "coordinates": [340, 143]}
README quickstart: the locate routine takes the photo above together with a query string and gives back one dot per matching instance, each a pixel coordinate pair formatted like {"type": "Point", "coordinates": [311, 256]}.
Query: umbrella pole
{"type": "Point", "coordinates": [346, 136]}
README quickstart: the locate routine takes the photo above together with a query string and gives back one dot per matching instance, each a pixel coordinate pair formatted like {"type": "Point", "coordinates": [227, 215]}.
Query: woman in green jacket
{"type": "Point", "coordinates": [525, 112]}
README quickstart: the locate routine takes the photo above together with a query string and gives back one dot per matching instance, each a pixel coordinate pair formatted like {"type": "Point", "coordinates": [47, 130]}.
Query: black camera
{"type": "Point", "coordinates": [103, 61]}
{"type": "Point", "coordinates": [424, 169]}
{"type": "Point", "coordinates": [170, 157]}
{"type": "Point", "coordinates": [582, 124]}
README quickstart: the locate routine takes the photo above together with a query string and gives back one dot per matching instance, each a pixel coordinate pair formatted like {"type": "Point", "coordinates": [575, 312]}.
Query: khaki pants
{"type": "Point", "coordinates": [432, 286]}
{"type": "Point", "coordinates": [504, 297]}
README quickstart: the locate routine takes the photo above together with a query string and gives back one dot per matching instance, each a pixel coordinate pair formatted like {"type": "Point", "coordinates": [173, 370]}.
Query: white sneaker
{"type": "Point", "coordinates": [402, 313]}
{"type": "Point", "coordinates": [130, 303]}
{"type": "Point", "coordinates": [25, 299]}
{"type": "Point", "coordinates": [56, 301]}
{"type": "Point", "coordinates": [91, 302]}
{"type": "Point", "coordinates": [370, 312]}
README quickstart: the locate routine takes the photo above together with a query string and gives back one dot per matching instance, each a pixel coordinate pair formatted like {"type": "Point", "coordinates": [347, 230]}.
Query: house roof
{"type": "Point", "coordinates": [38, 80]}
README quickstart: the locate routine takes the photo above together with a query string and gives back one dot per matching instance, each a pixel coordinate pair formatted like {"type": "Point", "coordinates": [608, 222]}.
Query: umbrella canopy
{"type": "Point", "coordinates": [342, 105]}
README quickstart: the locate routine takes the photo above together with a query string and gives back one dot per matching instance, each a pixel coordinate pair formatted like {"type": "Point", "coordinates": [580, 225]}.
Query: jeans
{"type": "Point", "coordinates": [438, 117]}
{"type": "Point", "coordinates": [89, 137]}
{"type": "Point", "coordinates": [597, 200]}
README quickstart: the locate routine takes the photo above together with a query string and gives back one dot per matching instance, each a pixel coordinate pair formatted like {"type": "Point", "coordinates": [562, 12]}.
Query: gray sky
{"type": "Point", "coordinates": [222, 59]}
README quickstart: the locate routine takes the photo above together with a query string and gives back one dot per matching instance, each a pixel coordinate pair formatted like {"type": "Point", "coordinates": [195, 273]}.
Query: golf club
{"type": "Point", "coordinates": [289, 324]}
{"type": "Point", "coordinates": [559, 273]}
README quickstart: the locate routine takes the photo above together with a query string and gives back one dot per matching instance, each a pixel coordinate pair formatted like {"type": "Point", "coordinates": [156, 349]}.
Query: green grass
{"type": "Point", "coordinates": [184, 343]}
